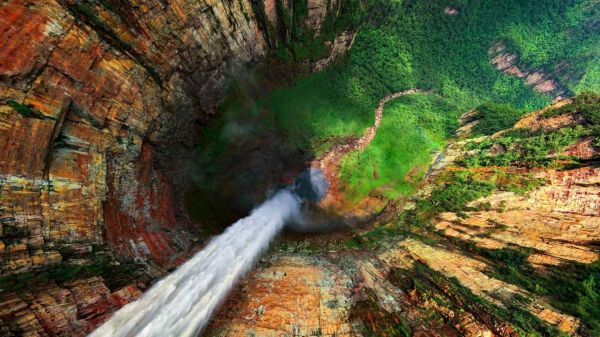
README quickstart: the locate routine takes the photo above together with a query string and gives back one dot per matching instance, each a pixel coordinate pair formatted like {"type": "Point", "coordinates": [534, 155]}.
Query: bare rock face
{"type": "Point", "coordinates": [558, 220]}
{"type": "Point", "coordinates": [339, 46]}
{"type": "Point", "coordinates": [97, 101]}
{"type": "Point", "coordinates": [293, 296]}
{"type": "Point", "coordinates": [470, 273]}
{"type": "Point", "coordinates": [87, 106]}
{"type": "Point", "coordinates": [72, 310]}
{"type": "Point", "coordinates": [439, 278]}
{"type": "Point", "coordinates": [541, 82]}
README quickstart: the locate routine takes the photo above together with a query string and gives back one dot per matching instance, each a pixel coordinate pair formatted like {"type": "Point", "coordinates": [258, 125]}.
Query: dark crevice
{"type": "Point", "coordinates": [56, 130]}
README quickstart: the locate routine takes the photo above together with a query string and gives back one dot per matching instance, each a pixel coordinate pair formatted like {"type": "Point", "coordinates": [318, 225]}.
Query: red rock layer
{"type": "Point", "coordinates": [96, 100]}
{"type": "Point", "coordinates": [74, 309]}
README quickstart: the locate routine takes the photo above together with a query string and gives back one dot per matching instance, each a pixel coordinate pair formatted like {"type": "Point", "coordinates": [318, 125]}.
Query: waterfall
{"type": "Point", "coordinates": [181, 304]}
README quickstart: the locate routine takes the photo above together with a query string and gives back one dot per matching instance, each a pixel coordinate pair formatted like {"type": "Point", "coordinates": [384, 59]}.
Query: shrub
{"type": "Point", "coordinates": [495, 117]}
{"type": "Point", "coordinates": [26, 111]}
{"type": "Point", "coordinates": [521, 149]}
{"type": "Point", "coordinates": [587, 104]}
{"type": "Point", "coordinates": [453, 196]}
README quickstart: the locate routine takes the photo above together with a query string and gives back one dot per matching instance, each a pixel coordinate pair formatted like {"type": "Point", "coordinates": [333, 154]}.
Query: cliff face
{"type": "Point", "coordinates": [483, 249]}
{"type": "Point", "coordinates": [95, 98]}
{"type": "Point", "coordinates": [99, 102]}
{"type": "Point", "coordinates": [72, 310]}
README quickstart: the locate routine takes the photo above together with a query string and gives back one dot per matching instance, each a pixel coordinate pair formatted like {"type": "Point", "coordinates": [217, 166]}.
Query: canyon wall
{"type": "Point", "coordinates": [98, 99]}
{"type": "Point", "coordinates": [490, 267]}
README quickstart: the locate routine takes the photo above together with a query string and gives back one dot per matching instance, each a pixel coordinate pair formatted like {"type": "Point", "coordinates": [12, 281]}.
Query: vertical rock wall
{"type": "Point", "coordinates": [97, 98]}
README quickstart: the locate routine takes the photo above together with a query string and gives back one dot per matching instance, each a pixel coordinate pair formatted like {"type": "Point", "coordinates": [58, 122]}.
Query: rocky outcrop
{"type": "Point", "coordinates": [98, 101]}
{"type": "Point", "coordinates": [470, 273]}
{"type": "Point", "coordinates": [295, 296]}
{"type": "Point", "coordinates": [445, 275]}
{"type": "Point", "coordinates": [538, 79]}
{"type": "Point", "coordinates": [73, 309]}
{"type": "Point", "coordinates": [558, 220]}
{"type": "Point", "coordinates": [338, 48]}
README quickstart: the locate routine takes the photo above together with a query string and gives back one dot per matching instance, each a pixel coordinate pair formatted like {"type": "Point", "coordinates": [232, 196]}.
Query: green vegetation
{"type": "Point", "coordinates": [458, 298]}
{"type": "Point", "coordinates": [572, 288]}
{"type": "Point", "coordinates": [413, 44]}
{"type": "Point", "coordinates": [558, 36]}
{"type": "Point", "coordinates": [115, 275]}
{"type": "Point", "coordinates": [26, 111]}
{"type": "Point", "coordinates": [492, 118]}
{"type": "Point", "coordinates": [298, 43]}
{"type": "Point", "coordinates": [522, 148]}
{"type": "Point", "coordinates": [587, 104]}
{"type": "Point", "coordinates": [403, 45]}
{"type": "Point", "coordinates": [457, 188]}
{"type": "Point", "coordinates": [453, 191]}
{"type": "Point", "coordinates": [454, 195]}
{"type": "Point", "coordinates": [413, 127]}
{"type": "Point", "coordinates": [312, 116]}
{"type": "Point", "coordinates": [13, 234]}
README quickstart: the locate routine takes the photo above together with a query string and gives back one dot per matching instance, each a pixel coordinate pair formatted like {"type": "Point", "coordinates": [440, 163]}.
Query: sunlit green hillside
{"type": "Point", "coordinates": [416, 44]}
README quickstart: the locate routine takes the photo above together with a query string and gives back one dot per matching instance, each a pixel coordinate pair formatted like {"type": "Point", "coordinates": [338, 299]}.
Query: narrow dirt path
{"type": "Point", "coordinates": [329, 162]}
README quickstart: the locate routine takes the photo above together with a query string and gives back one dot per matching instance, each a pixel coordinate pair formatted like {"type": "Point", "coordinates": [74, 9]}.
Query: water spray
{"type": "Point", "coordinates": [181, 304]}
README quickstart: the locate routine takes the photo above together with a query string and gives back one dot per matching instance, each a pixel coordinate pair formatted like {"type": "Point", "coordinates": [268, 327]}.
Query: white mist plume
{"type": "Point", "coordinates": [180, 305]}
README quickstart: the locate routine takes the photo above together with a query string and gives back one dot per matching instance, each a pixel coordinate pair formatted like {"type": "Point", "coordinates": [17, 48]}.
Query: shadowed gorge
{"type": "Point", "coordinates": [299, 168]}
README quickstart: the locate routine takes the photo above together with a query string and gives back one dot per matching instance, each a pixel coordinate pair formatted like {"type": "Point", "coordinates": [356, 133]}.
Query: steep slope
{"type": "Point", "coordinates": [96, 96]}
{"type": "Point", "coordinates": [100, 101]}
{"type": "Point", "coordinates": [502, 250]}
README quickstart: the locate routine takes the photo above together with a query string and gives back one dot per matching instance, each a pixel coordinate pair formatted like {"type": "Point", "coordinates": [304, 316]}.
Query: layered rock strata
{"type": "Point", "coordinates": [540, 80]}
{"type": "Point", "coordinates": [99, 103]}
{"type": "Point", "coordinates": [98, 99]}
{"type": "Point", "coordinates": [437, 279]}
{"type": "Point", "coordinates": [74, 309]}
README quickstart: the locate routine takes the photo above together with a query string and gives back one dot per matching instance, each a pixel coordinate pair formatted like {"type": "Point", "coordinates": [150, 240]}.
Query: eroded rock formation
{"type": "Point", "coordinates": [440, 278]}
{"type": "Point", "coordinates": [540, 80]}
{"type": "Point", "coordinates": [99, 102]}
{"type": "Point", "coordinates": [95, 96]}
{"type": "Point", "coordinates": [74, 309]}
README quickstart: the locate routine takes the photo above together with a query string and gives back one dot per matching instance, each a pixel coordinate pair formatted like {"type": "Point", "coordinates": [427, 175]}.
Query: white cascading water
{"type": "Point", "coordinates": [181, 304]}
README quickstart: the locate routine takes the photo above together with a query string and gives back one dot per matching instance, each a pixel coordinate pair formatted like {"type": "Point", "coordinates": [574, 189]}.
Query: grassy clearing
{"type": "Point", "coordinates": [314, 112]}
{"type": "Point", "coordinates": [412, 128]}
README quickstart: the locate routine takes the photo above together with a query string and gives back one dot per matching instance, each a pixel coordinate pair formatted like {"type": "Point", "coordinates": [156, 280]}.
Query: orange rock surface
{"type": "Point", "coordinates": [99, 105]}
{"type": "Point", "coordinates": [74, 309]}
{"type": "Point", "coordinates": [293, 296]}
{"type": "Point", "coordinates": [94, 106]}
